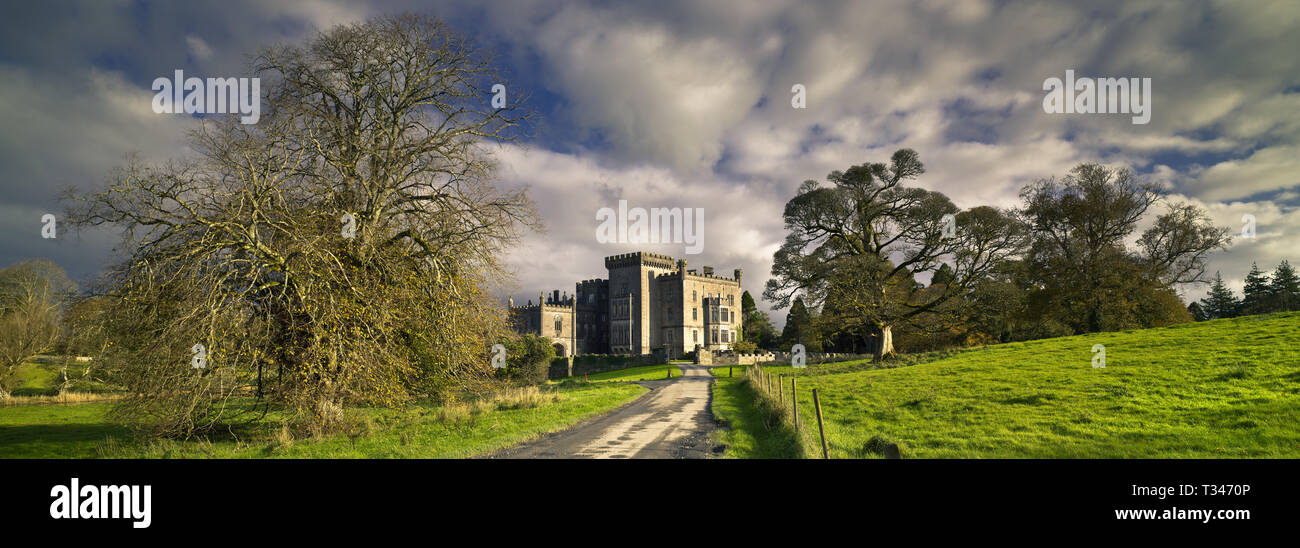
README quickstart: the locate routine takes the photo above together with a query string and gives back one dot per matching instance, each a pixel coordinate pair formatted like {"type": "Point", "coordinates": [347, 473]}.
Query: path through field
{"type": "Point", "coordinates": [672, 421]}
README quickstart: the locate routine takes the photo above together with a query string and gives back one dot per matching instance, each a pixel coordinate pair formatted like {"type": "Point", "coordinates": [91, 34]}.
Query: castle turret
{"type": "Point", "coordinates": [738, 271]}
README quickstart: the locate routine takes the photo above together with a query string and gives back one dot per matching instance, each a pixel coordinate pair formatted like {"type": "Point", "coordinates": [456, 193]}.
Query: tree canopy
{"type": "Point", "coordinates": [337, 252]}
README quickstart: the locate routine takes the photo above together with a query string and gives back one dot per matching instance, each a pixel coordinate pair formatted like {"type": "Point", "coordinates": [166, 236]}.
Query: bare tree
{"type": "Point", "coordinates": [32, 294]}
{"type": "Point", "coordinates": [336, 253]}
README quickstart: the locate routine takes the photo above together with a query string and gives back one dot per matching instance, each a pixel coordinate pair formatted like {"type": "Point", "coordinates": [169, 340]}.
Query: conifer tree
{"type": "Point", "coordinates": [1284, 290]}
{"type": "Point", "coordinates": [799, 328]}
{"type": "Point", "coordinates": [1221, 302]}
{"type": "Point", "coordinates": [1255, 296]}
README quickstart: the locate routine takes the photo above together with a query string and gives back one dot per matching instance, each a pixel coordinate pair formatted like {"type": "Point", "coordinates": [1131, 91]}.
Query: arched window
{"type": "Point", "coordinates": [558, 324]}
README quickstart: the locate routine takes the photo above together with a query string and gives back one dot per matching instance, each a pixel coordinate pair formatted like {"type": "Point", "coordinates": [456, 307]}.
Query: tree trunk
{"type": "Point", "coordinates": [884, 347]}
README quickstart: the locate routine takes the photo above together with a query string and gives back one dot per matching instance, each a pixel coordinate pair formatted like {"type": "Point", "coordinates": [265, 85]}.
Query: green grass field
{"type": "Point", "coordinates": [421, 431]}
{"type": "Point", "coordinates": [1226, 388]}
{"type": "Point", "coordinates": [748, 430]}
{"type": "Point", "coordinates": [42, 378]}
{"type": "Point", "coordinates": [639, 373]}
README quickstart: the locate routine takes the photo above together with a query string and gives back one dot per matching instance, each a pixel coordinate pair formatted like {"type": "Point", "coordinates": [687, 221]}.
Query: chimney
{"type": "Point", "coordinates": [555, 297]}
{"type": "Point", "coordinates": [738, 271]}
{"type": "Point", "coordinates": [708, 271]}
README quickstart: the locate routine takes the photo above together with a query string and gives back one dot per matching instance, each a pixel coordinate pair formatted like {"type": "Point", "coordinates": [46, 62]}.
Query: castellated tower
{"type": "Point", "coordinates": [649, 302]}
{"type": "Point", "coordinates": [633, 296]}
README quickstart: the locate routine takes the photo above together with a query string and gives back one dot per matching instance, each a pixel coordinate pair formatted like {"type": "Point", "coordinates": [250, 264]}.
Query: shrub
{"type": "Point", "coordinates": [528, 359]}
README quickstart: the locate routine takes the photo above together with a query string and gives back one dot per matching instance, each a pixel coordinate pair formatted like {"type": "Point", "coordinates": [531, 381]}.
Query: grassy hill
{"type": "Point", "coordinates": [1225, 388]}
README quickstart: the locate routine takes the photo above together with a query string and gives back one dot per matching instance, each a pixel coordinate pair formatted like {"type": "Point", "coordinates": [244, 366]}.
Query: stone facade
{"type": "Point", "coordinates": [554, 317]}
{"type": "Point", "coordinates": [649, 302]}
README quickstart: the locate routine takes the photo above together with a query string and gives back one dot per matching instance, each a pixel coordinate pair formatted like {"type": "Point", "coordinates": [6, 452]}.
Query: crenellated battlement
{"type": "Point", "coordinates": [694, 274]}
{"type": "Point", "coordinates": [549, 306]}
{"type": "Point", "coordinates": [639, 258]}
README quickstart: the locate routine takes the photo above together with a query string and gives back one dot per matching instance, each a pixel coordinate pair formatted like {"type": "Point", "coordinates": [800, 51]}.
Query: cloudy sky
{"type": "Point", "coordinates": [688, 104]}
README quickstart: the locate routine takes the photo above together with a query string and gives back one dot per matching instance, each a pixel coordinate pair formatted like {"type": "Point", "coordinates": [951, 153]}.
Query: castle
{"type": "Point", "coordinates": [649, 303]}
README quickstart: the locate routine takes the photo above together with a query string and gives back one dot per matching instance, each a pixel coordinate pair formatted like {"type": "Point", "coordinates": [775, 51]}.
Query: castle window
{"type": "Point", "coordinates": [692, 295]}
{"type": "Point", "coordinates": [695, 313]}
{"type": "Point", "coordinates": [558, 324]}
{"type": "Point", "coordinates": [695, 335]}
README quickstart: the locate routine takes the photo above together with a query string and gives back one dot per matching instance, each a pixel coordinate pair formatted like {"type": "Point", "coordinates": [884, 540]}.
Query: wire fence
{"type": "Point", "coordinates": [799, 407]}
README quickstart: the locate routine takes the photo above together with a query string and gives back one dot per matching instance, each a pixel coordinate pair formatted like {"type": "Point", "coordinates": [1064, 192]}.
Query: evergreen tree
{"type": "Point", "coordinates": [943, 276]}
{"type": "Point", "coordinates": [1255, 296]}
{"type": "Point", "coordinates": [1284, 291]}
{"type": "Point", "coordinates": [1197, 312]}
{"type": "Point", "coordinates": [1221, 302]}
{"type": "Point", "coordinates": [799, 328]}
{"type": "Point", "coordinates": [758, 325]}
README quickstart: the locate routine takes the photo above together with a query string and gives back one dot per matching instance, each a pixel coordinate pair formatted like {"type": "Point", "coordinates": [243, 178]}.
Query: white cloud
{"type": "Point", "coordinates": [687, 104]}
{"type": "Point", "coordinates": [1272, 168]}
{"type": "Point", "coordinates": [198, 48]}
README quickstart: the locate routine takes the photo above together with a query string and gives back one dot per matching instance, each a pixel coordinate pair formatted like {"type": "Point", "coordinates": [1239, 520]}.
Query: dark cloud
{"type": "Point", "coordinates": [687, 103]}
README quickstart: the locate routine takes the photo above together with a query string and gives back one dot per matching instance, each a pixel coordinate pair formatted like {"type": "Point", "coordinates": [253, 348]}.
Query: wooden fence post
{"type": "Point", "coordinates": [794, 402]}
{"type": "Point", "coordinates": [780, 389]}
{"type": "Point", "coordinates": [821, 428]}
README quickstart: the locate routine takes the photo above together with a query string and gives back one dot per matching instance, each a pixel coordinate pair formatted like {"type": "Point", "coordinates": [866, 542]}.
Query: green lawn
{"type": "Point", "coordinates": [37, 375]}
{"type": "Point", "coordinates": [1226, 388]}
{"type": "Point", "coordinates": [422, 431]}
{"type": "Point", "coordinates": [639, 373]}
{"type": "Point", "coordinates": [37, 378]}
{"type": "Point", "coordinates": [747, 430]}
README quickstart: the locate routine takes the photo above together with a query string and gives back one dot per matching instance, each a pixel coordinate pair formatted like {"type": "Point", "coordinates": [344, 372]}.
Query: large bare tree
{"type": "Point", "coordinates": [338, 252]}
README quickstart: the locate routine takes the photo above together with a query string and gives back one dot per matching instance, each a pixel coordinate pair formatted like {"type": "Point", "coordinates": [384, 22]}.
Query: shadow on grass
{"type": "Point", "coordinates": [57, 441]}
{"type": "Point", "coordinates": [771, 437]}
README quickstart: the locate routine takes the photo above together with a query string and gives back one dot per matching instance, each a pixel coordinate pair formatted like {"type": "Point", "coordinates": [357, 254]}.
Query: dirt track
{"type": "Point", "coordinates": [672, 421]}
